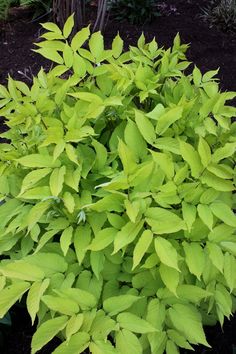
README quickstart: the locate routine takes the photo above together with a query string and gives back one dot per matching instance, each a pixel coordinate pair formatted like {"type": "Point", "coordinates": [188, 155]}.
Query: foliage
{"type": "Point", "coordinates": [4, 7]}
{"type": "Point", "coordinates": [40, 6]}
{"type": "Point", "coordinates": [135, 11]}
{"type": "Point", "coordinates": [221, 14]}
{"type": "Point", "coordinates": [117, 182]}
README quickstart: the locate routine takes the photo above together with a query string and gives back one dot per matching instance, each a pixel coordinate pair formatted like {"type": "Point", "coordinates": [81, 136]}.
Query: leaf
{"type": "Point", "coordinates": [96, 45]}
{"type": "Point", "coordinates": [141, 247]}
{"type": "Point", "coordinates": [83, 298]}
{"type": "Point", "coordinates": [116, 304]}
{"type": "Point", "coordinates": [68, 26]}
{"type": "Point", "coordinates": [50, 263]}
{"type": "Point", "coordinates": [187, 320]}
{"type": "Point", "coordinates": [192, 293]}
{"type": "Point", "coordinates": [97, 260]}
{"type": "Point", "coordinates": [217, 183]}
{"type": "Point", "coordinates": [197, 76]}
{"type": "Point", "coordinates": [134, 323]}
{"type": "Point", "coordinates": [22, 270]}
{"type": "Point", "coordinates": [204, 152]}
{"type": "Point", "coordinates": [71, 153]}
{"type": "Point", "coordinates": [68, 56]}
{"type": "Point", "coordinates": [167, 119]}
{"type": "Point", "coordinates": [216, 255]}
{"type": "Point", "coordinates": [117, 46]}
{"type": "Point", "coordinates": [69, 202]}
{"type": "Point", "coordinates": [227, 150]}
{"type": "Point", "coordinates": [223, 212]}
{"type": "Point", "coordinates": [56, 180]}
{"type": "Point", "coordinates": [62, 305]}
{"type": "Point", "coordinates": [229, 271]}
{"type": "Point", "coordinates": [168, 144]}
{"type": "Point", "coordinates": [223, 301]}
{"type": "Point", "coordinates": [37, 160]}
{"type": "Point", "coordinates": [66, 239]}
{"type": "Point", "coordinates": [79, 38]}
{"type": "Point", "coordinates": [103, 239]}
{"type": "Point", "coordinates": [34, 296]}
{"type": "Point", "coordinates": [127, 158]}
{"type": "Point", "coordinates": [134, 140]}
{"type": "Point", "coordinates": [127, 342]}
{"type": "Point", "coordinates": [36, 213]}
{"type": "Point", "coordinates": [50, 54]}
{"type": "Point", "coordinates": [189, 214]}
{"type": "Point", "coordinates": [145, 127]}
{"type": "Point", "coordinates": [47, 331]}
{"type": "Point", "coordinates": [82, 239]}
{"type": "Point", "coordinates": [166, 252]}
{"type": "Point", "coordinates": [126, 235]}
{"type": "Point", "coordinates": [74, 324]}
{"type": "Point", "coordinates": [101, 155]}
{"type": "Point", "coordinates": [77, 344]}
{"type": "Point", "coordinates": [50, 26]}
{"type": "Point", "coordinates": [36, 193]}
{"type": "Point", "coordinates": [195, 258]}
{"type": "Point", "coordinates": [163, 221]}
{"type": "Point", "coordinates": [156, 313]}
{"type": "Point", "coordinates": [171, 348]}
{"type": "Point", "coordinates": [170, 277]}
{"type": "Point", "coordinates": [205, 214]}
{"type": "Point", "coordinates": [10, 295]}
{"type": "Point", "coordinates": [33, 177]}
{"type": "Point", "coordinates": [191, 156]}
{"type": "Point", "coordinates": [178, 339]}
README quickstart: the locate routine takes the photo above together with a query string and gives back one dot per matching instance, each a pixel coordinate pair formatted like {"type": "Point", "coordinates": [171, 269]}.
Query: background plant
{"type": "Point", "coordinates": [117, 223]}
{"type": "Point", "coordinates": [221, 14]}
{"type": "Point", "coordinates": [135, 11]}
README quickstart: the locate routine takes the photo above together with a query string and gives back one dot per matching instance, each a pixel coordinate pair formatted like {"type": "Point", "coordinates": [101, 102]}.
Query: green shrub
{"type": "Point", "coordinates": [135, 11]}
{"type": "Point", "coordinates": [117, 183]}
{"type": "Point", "coordinates": [4, 7]}
{"type": "Point", "coordinates": [221, 14]}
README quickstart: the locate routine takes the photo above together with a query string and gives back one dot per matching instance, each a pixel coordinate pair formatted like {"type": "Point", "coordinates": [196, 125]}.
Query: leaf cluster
{"type": "Point", "coordinates": [117, 189]}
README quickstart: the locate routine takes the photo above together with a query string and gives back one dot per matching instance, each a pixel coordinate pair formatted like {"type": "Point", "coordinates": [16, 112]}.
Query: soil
{"type": "Point", "coordinates": [210, 49]}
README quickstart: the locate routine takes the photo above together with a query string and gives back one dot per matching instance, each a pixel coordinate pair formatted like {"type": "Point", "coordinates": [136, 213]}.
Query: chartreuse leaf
{"type": "Point", "coordinates": [127, 158]}
{"type": "Point", "coordinates": [46, 331]}
{"type": "Point", "coordinates": [187, 320]}
{"type": "Point", "coordinates": [37, 160]}
{"type": "Point", "coordinates": [73, 325]}
{"type": "Point", "coordinates": [69, 202]}
{"type": "Point", "coordinates": [191, 156]}
{"type": "Point", "coordinates": [163, 221]}
{"type": "Point", "coordinates": [79, 38]}
{"type": "Point", "coordinates": [205, 214]}
{"type": "Point", "coordinates": [170, 277]}
{"type": "Point", "coordinates": [195, 258]}
{"type": "Point", "coordinates": [189, 214]}
{"type": "Point", "coordinates": [223, 212]}
{"type": "Point", "coordinates": [22, 270]}
{"type": "Point", "coordinates": [77, 344]}
{"type": "Point", "coordinates": [96, 45]}
{"type": "Point", "coordinates": [216, 255]}
{"type": "Point", "coordinates": [33, 177]}
{"type": "Point", "coordinates": [117, 46]}
{"type": "Point", "coordinates": [102, 346]}
{"type": "Point", "coordinates": [83, 298]}
{"type": "Point", "coordinates": [66, 239]}
{"type": "Point", "coordinates": [134, 323]}
{"type": "Point", "coordinates": [227, 150]}
{"type": "Point", "coordinates": [219, 184]}
{"type": "Point", "coordinates": [127, 342]}
{"type": "Point", "coordinates": [204, 152]}
{"type": "Point", "coordinates": [229, 270]}
{"type": "Point", "coordinates": [59, 304]}
{"type": "Point", "coordinates": [103, 239]}
{"type": "Point", "coordinates": [56, 180]}
{"type": "Point", "coordinates": [10, 295]}
{"type": "Point", "coordinates": [223, 302]}
{"type": "Point", "coordinates": [36, 213]}
{"type": "Point", "coordinates": [171, 347]}
{"type": "Point", "coordinates": [178, 339]}
{"type": "Point", "coordinates": [51, 26]}
{"type": "Point", "coordinates": [167, 119]}
{"type": "Point", "coordinates": [34, 297]}
{"type": "Point", "coordinates": [49, 262]}
{"type": "Point", "coordinates": [117, 304]}
{"type": "Point", "coordinates": [82, 239]}
{"type": "Point", "coordinates": [134, 140]}
{"type": "Point", "coordinates": [141, 247]}
{"type": "Point", "coordinates": [145, 127]}
{"type": "Point", "coordinates": [68, 26]}
{"type": "Point", "coordinates": [192, 293]}
{"type": "Point", "coordinates": [126, 235]}
{"type": "Point", "coordinates": [166, 252]}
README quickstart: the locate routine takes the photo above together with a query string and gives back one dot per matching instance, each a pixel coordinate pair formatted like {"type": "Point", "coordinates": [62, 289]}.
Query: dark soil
{"type": "Point", "coordinates": [210, 48]}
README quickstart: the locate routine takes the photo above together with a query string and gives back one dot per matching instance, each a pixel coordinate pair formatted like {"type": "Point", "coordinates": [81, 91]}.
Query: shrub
{"type": "Point", "coordinates": [117, 182]}
{"type": "Point", "coordinates": [135, 11]}
{"type": "Point", "coordinates": [221, 14]}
